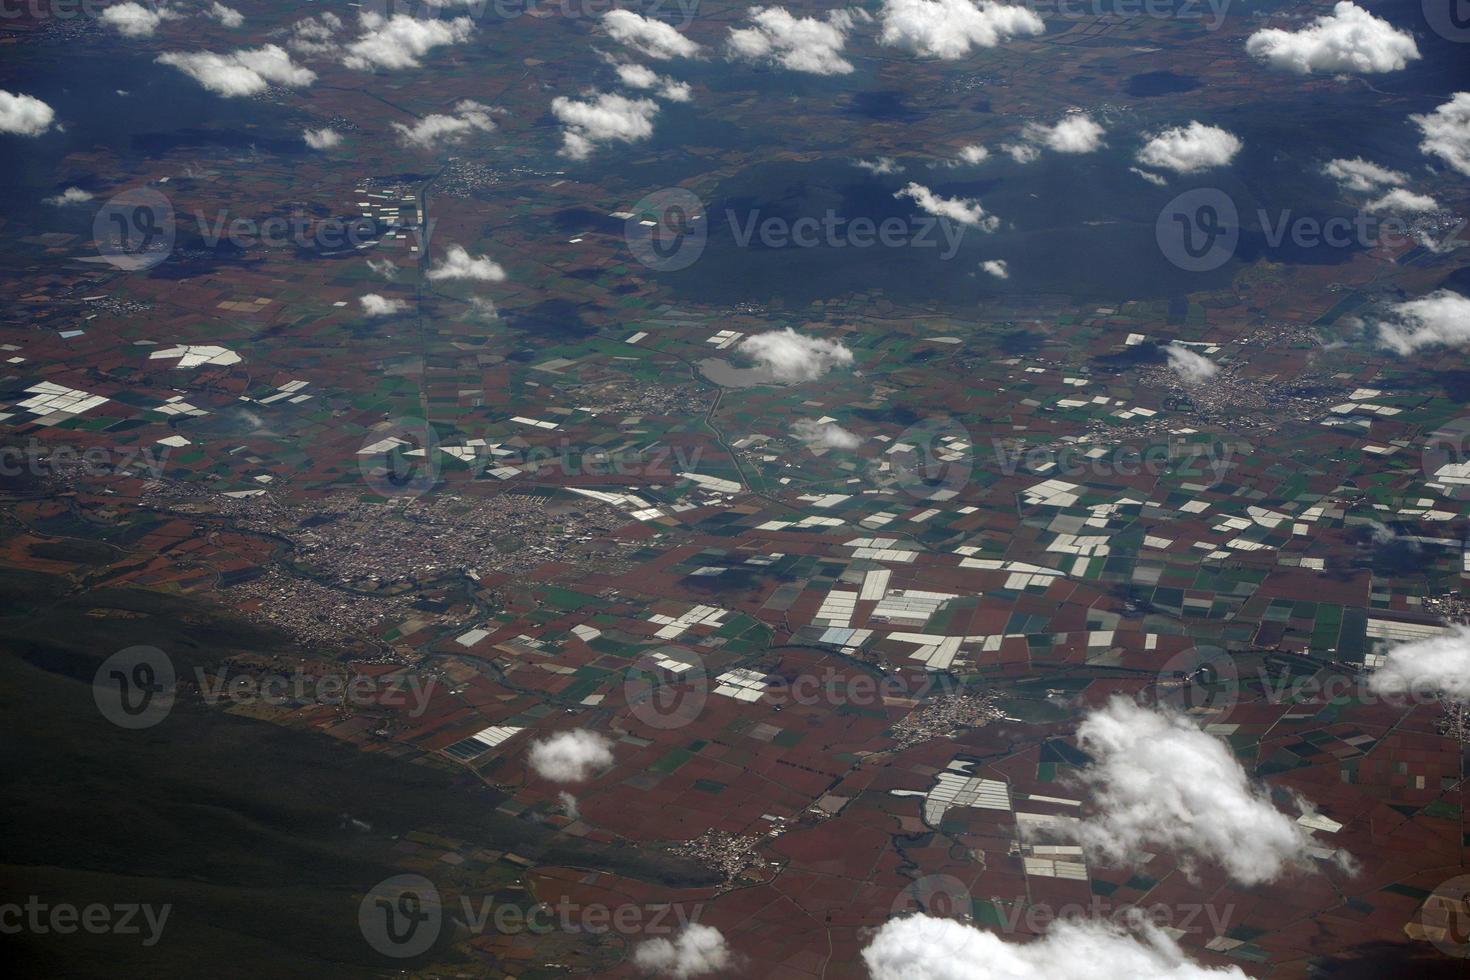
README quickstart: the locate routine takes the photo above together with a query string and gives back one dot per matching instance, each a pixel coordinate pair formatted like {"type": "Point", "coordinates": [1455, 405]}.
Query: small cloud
{"type": "Point", "coordinates": [72, 195]}
{"type": "Point", "coordinates": [384, 268]}
{"type": "Point", "coordinates": [1349, 40]}
{"type": "Point", "coordinates": [1192, 368]}
{"type": "Point", "coordinates": [1021, 152]}
{"type": "Point", "coordinates": [375, 305]}
{"type": "Point", "coordinates": [571, 756]}
{"type": "Point", "coordinates": [974, 153]}
{"type": "Point", "coordinates": [1447, 132]}
{"type": "Point", "coordinates": [825, 435]}
{"type": "Point", "coordinates": [24, 115]}
{"type": "Point", "coordinates": [793, 357]}
{"type": "Point", "coordinates": [569, 805]}
{"type": "Point", "coordinates": [803, 44]}
{"type": "Point", "coordinates": [459, 264]}
{"type": "Point", "coordinates": [1153, 178]}
{"type": "Point", "coordinates": [694, 952]}
{"type": "Point", "coordinates": [228, 16]}
{"type": "Point", "coordinates": [1436, 664]}
{"type": "Point", "coordinates": [1358, 174]}
{"type": "Point", "coordinates": [1402, 201]}
{"type": "Point", "coordinates": [1076, 133]}
{"type": "Point", "coordinates": [950, 29]}
{"type": "Point", "coordinates": [136, 20]}
{"type": "Point", "coordinates": [248, 71]}
{"type": "Point", "coordinates": [321, 139]}
{"type": "Point", "coordinates": [602, 118]}
{"type": "Point", "coordinates": [1190, 149]}
{"type": "Point", "coordinates": [882, 166]}
{"type": "Point", "coordinates": [998, 268]}
{"type": "Point", "coordinates": [1440, 319]}
{"type": "Point", "coordinates": [966, 211]}
{"type": "Point", "coordinates": [643, 77]}
{"type": "Point", "coordinates": [650, 37]}
{"type": "Point", "coordinates": [401, 40]}
{"type": "Point", "coordinates": [438, 128]}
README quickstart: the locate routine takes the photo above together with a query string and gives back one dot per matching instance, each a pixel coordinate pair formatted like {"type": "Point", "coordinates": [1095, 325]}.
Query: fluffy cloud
{"type": "Point", "coordinates": [974, 153]}
{"type": "Point", "coordinates": [1439, 318]}
{"type": "Point", "coordinates": [643, 77]}
{"type": "Point", "coordinates": [1152, 178]}
{"type": "Point", "coordinates": [1189, 149]}
{"type": "Point", "coordinates": [1022, 152]}
{"type": "Point", "coordinates": [948, 29]}
{"type": "Point", "coordinates": [375, 305]}
{"type": "Point", "coordinates": [469, 116]}
{"type": "Point", "coordinates": [1348, 40]}
{"type": "Point", "coordinates": [1428, 666]}
{"type": "Point", "coordinates": [571, 756]}
{"type": "Point", "coordinates": [1358, 174]}
{"type": "Point", "coordinates": [825, 435]}
{"type": "Point", "coordinates": [459, 264]}
{"type": "Point", "coordinates": [695, 951]}
{"type": "Point", "coordinates": [1401, 201]}
{"type": "Point", "coordinates": [399, 41]}
{"type": "Point", "coordinates": [569, 805]}
{"type": "Point", "coordinates": [1192, 368]}
{"type": "Point", "coordinates": [921, 947]}
{"type": "Point", "coordinates": [384, 267]}
{"type": "Point", "coordinates": [248, 71]}
{"type": "Point", "coordinates": [1447, 132]}
{"type": "Point", "coordinates": [136, 20]}
{"type": "Point", "coordinates": [228, 16]}
{"type": "Point", "coordinates": [72, 195]}
{"type": "Point", "coordinates": [798, 43]}
{"type": "Point", "coordinates": [998, 268]}
{"type": "Point", "coordinates": [1162, 784]}
{"type": "Point", "coordinates": [602, 118]}
{"type": "Point", "coordinates": [313, 35]}
{"type": "Point", "coordinates": [964, 210]}
{"type": "Point", "coordinates": [24, 115]}
{"type": "Point", "coordinates": [881, 166]}
{"type": "Point", "coordinates": [653, 38]}
{"type": "Point", "coordinates": [1076, 133]}
{"type": "Point", "coordinates": [321, 139]}
{"type": "Point", "coordinates": [790, 356]}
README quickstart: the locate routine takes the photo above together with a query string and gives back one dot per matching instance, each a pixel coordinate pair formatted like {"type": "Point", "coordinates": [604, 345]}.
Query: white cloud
{"type": "Point", "coordinates": [974, 153]}
{"type": "Point", "coordinates": [136, 20]}
{"type": "Point", "coordinates": [1162, 784]}
{"type": "Point", "coordinates": [483, 308]}
{"type": "Point", "coordinates": [602, 118]}
{"type": "Point", "coordinates": [1402, 201]}
{"type": "Point", "coordinates": [1428, 666]}
{"type": "Point", "coordinates": [321, 139]}
{"type": "Point", "coordinates": [1188, 149]}
{"type": "Point", "coordinates": [459, 264]}
{"type": "Point", "coordinates": [228, 16]}
{"type": "Point", "coordinates": [797, 43]}
{"type": "Point", "coordinates": [922, 947]}
{"type": "Point", "coordinates": [384, 267]}
{"type": "Point", "coordinates": [651, 37]}
{"type": "Point", "coordinates": [399, 41]}
{"type": "Point", "coordinates": [882, 166]}
{"type": "Point", "coordinates": [469, 116]}
{"type": "Point", "coordinates": [998, 268]}
{"type": "Point", "coordinates": [375, 305]}
{"type": "Point", "coordinates": [948, 29]}
{"type": "Point", "coordinates": [1076, 133]}
{"type": "Point", "coordinates": [569, 805]}
{"type": "Point", "coordinates": [1348, 40]}
{"type": "Point", "coordinates": [825, 435]}
{"type": "Point", "coordinates": [790, 356]}
{"type": "Point", "coordinates": [571, 756]}
{"type": "Point", "coordinates": [697, 950]}
{"type": "Point", "coordinates": [1439, 318]}
{"type": "Point", "coordinates": [1152, 178]}
{"type": "Point", "coordinates": [643, 77]}
{"type": "Point", "coordinates": [1022, 152]}
{"type": "Point", "coordinates": [1358, 174]}
{"type": "Point", "coordinates": [1447, 132]}
{"type": "Point", "coordinates": [964, 210]}
{"type": "Point", "coordinates": [1192, 368]}
{"type": "Point", "coordinates": [72, 195]}
{"type": "Point", "coordinates": [248, 71]}
{"type": "Point", "coordinates": [313, 35]}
